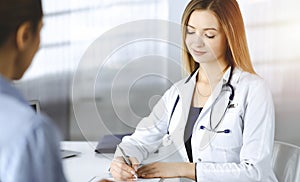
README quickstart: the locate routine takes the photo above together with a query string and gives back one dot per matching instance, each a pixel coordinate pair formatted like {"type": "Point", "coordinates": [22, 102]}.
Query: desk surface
{"type": "Point", "coordinates": [87, 165]}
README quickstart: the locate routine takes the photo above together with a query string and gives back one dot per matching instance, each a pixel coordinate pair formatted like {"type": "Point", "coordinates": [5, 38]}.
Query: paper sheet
{"type": "Point", "coordinates": [98, 178]}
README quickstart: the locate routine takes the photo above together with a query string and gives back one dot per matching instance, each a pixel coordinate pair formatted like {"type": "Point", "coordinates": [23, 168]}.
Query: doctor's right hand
{"type": "Point", "coordinates": [121, 171]}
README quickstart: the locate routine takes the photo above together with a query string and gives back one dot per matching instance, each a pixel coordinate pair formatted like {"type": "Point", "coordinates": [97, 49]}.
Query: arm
{"type": "Point", "coordinates": [150, 131]}
{"type": "Point", "coordinates": [146, 139]}
{"type": "Point", "coordinates": [35, 156]}
{"type": "Point", "coordinates": [168, 170]}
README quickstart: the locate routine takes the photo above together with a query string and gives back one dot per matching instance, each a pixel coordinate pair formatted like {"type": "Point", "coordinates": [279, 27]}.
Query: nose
{"type": "Point", "coordinates": [198, 39]}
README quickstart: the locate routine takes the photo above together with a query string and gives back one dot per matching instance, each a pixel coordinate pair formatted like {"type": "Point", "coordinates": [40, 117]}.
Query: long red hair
{"type": "Point", "coordinates": [229, 15]}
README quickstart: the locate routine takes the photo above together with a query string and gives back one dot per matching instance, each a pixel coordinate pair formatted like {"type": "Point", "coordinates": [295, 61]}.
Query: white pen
{"type": "Point", "coordinates": [126, 159]}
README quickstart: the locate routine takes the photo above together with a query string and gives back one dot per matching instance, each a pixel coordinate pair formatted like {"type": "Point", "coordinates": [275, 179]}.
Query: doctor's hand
{"type": "Point", "coordinates": [167, 170]}
{"type": "Point", "coordinates": [121, 171]}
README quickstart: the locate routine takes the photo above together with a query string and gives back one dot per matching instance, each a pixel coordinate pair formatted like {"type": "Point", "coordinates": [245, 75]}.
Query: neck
{"type": "Point", "coordinates": [7, 60]}
{"type": "Point", "coordinates": [211, 73]}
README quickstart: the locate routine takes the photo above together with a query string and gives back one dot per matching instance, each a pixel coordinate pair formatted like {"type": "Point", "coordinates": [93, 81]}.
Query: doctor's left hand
{"type": "Point", "coordinates": [167, 170]}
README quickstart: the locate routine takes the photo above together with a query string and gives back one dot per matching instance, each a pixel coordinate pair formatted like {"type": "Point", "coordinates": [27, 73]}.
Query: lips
{"type": "Point", "coordinates": [199, 53]}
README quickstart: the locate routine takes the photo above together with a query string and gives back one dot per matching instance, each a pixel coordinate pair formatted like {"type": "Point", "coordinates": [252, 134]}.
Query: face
{"type": "Point", "coordinates": [205, 39]}
{"type": "Point", "coordinates": [25, 57]}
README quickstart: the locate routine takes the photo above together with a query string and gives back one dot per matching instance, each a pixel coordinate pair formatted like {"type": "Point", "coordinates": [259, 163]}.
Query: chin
{"type": "Point", "coordinates": [201, 60]}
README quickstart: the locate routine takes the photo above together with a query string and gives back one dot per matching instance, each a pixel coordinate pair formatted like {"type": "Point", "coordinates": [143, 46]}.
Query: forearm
{"type": "Point", "coordinates": [187, 170]}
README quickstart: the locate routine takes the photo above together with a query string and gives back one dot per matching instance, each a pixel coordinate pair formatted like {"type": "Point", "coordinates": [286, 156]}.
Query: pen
{"type": "Point", "coordinates": [126, 158]}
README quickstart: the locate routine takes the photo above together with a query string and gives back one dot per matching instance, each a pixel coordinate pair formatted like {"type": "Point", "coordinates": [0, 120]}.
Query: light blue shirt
{"type": "Point", "coordinates": [29, 142]}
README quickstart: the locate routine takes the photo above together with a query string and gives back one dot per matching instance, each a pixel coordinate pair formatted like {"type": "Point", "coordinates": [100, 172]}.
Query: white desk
{"type": "Point", "coordinates": [87, 165]}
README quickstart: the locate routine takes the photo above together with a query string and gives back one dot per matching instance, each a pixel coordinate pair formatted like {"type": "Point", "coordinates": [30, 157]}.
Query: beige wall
{"type": "Point", "coordinates": [273, 30]}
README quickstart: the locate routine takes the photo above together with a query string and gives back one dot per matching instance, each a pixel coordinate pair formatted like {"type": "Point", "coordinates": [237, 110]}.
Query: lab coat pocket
{"type": "Point", "coordinates": [229, 144]}
{"type": "Point", "coordinates": [232, 122]}
{"type": "Point", "coordinates": [226, 141]}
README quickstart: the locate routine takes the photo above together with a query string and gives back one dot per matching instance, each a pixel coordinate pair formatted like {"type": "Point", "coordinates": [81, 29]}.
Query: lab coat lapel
{"type": "Point", "coordinates": [203, 119]}
{"type": "Point", "coordinates": [216, 92]}
{"type": "Point", "coordinates": [205, 136]}
{"type": "Point", "coordinates": [186, 95]}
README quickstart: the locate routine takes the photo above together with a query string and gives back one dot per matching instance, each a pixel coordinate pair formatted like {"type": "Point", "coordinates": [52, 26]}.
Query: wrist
{"type": "Point", "coordinates": [187, 170]}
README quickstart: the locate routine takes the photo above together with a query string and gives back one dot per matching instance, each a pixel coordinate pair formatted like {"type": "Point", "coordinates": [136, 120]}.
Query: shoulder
{"type": "Point", "coordinates": [26, 139]}
{"type": "Point", "coordinates": [34, 152]}
{"type": "Point", "coordinates": [251, 80]}
{"type": "Point", "coordinates": [44, 126]}
{"type": "Point", "coordinates": [171, 94]}
{"type": "Point", "coordinates": [19, 120]}
{"type": "Point", "coordinates": [253, 85]}
{"type": "Point", "coordinates": [178, 85]}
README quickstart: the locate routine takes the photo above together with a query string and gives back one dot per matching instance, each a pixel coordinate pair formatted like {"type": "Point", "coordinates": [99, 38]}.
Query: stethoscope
{"type": "Point", "coordinates": [229, 104]}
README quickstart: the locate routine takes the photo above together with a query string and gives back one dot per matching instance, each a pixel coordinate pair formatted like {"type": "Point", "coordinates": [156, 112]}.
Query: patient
{"type": "Point", "coordinates": [29, 143]}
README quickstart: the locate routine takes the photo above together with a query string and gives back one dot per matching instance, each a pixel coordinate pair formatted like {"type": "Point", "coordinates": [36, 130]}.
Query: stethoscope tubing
{"type": "Point", "coordinates": [231, 97]}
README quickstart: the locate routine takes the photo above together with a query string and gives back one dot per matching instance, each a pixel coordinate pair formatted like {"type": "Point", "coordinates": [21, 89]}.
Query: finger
{"type": "Point", "coordinates": [119, 158]}
{"type": "Point", "coordinates": [120, 170]}
{"type": "Point", "coordinates": [146, 171]}
{"type": "Point", "coordinates": [115, 165]}
{"type": "Point", "coordinates": [105, 180]}
{"type": "Point", "coordinates": [130, 169]}
{"type": "Point", "coordinates": [135, 163]}
{"type": "Point", "coordinates": [151, 174]}
{"type": "Point", "coordinates": [121, 164]}
{"type": "Point", "coordinates": [121, 175]}
{"type": "Point", "coordinates": [124, 169]}
{"type": "Point", "coordinates": [146, 167]}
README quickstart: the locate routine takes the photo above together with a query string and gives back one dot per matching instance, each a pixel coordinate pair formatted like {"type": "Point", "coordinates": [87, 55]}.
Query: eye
{"type": "Point", "coordinates": [209, 36]}
{"type": "Point", "coordinates": [190, 31]}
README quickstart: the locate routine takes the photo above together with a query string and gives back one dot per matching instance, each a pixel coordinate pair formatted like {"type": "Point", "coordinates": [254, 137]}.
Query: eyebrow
{"type": "Point", "coordinates": [205, 29]}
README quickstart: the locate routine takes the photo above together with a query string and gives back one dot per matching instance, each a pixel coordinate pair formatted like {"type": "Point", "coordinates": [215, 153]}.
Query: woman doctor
{"type": "Point", "coordinates": [220, 118]}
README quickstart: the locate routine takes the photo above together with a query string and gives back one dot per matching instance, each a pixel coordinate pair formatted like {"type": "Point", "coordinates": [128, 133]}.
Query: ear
{"type": "Point", "coordinates": [23, 36]}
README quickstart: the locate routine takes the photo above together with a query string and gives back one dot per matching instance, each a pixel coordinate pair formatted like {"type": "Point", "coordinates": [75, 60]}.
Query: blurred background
{"type": "Point", "coordinates": [111, 95]}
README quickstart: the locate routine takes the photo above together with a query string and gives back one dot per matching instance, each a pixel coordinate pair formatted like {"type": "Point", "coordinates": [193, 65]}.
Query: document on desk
{"type": "Point", "coordinates": [98, 178]}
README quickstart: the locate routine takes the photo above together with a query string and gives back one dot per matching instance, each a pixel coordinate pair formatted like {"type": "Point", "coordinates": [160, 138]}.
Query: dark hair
{"type": "Point", "coordinates": [13, 13]}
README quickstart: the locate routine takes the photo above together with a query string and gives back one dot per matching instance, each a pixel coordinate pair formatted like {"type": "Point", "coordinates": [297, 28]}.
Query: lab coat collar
{"type": "Point", "coordinates": [216, 92]}
{"type": "Point", "coordinates": [235, 75]}
{"type": "Point", "coordinates": [207, 107]}
{"type": "Point", "coordinates": [192, 76]}
{"type": "Point", "coordinates": [186, 94]}
{"type": "Point", "coordinates": [186, 91]}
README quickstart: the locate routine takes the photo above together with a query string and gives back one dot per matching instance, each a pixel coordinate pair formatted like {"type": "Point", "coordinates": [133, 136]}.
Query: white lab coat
{"type": "Point", "coordinates": [242, 155]}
